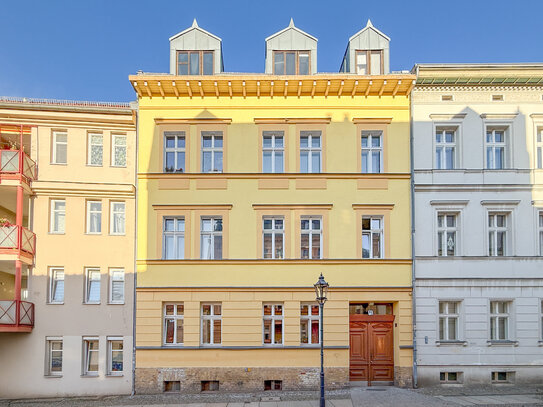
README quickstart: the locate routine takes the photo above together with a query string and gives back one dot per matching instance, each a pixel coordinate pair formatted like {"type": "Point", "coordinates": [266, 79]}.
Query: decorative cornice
{"type": "Point", "coordinates": [499, 116]}
{"type": "Point", "coordinates": [448, 117]}
{"type": "Point", "coordinates": [372, 120]}
{"type": "Point", "coordinates": [192, 206]}
{"type": "Point", "coordinates": [292, 206]}
{"type": "Point", "coordinates": [159, 120]}
{"type": "Point", "coordinates": [475, 88]}
{"type": "Point", "coordinates": [289, 120]}
{"type": "Point", "coordinates": [385, 207]}
{"type": "Point", "coordinates": [450, 202]}
{"type": "Point", "coordinates": [278, 261]}
{"type": "Point", "coordinates": [500, 202]}
{"type": "Point", "coordinates": [294, 175]}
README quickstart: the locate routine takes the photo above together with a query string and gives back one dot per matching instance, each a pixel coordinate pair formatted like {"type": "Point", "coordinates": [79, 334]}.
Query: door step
{"type": "Point", "coordinates": [375, 383]}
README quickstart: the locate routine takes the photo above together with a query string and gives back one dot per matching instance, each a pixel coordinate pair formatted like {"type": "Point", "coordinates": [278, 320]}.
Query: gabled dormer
{"type": "Point", "coordinates": [195, 51]}
{"type": "Point", "coordinates": [291, 51]}
{"type": "Point", "coordinates": [368, 52]}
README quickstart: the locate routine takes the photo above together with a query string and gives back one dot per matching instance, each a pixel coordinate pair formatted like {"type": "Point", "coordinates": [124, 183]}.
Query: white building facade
{"type": "Point", "coordinates": [478, 197]}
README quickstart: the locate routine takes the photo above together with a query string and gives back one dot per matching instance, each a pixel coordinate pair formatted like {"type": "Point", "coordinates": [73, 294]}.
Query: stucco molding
{"type": "Point", "coordinates": [294, 120]}
{"type": "Point", "coordinates": [447, 116]}
{"type": "Point", "coordinates": [500, 202]}
{"type": "Point", "coordinates": [385, 207]}
{"type": "Point", "coordinates": [372, 120]}
{"type": "Point", "coordinates": [292, 206]}
{"type": "Point", "coordinates": [203, 120]}
{"type": "Point", "coordinates": [192, 206]}
{"type": "Point", "coordinates": [437, 88]}
{"type": "Point", "coordinates": [499, 116]}
{"type": "Point", "coordinates": [450, 202]}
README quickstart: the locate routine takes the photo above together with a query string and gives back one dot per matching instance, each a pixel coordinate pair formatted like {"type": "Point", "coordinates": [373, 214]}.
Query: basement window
{"type": "Point", "coordinates": [172, 386]}
{"type": "Point", "coordinates": [210, 385]}
{"type": "Point", "coordinates": [503, 377]}
{"type": "Point", "coordinates": [450, 377]}
{"type": "Point", "coordinates": [497, 98]}
{"type": "Point", "coordinates": [273, 385]}
{"type": "Point", "coordinates": [447, 98]}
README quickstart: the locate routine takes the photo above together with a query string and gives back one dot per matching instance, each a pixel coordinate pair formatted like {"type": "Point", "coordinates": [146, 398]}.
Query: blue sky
{"type": "Point", "coordinates": [85, 49]}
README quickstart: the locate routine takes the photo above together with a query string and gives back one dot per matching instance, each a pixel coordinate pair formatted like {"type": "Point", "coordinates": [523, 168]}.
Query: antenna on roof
{"type": "Point", "coordinates": [194, 24]}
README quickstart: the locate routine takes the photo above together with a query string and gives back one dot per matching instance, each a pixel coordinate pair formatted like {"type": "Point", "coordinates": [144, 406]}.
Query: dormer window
{"type": "Point", "coordinates": [291, 62]}
{"type": "Point", "coordinates": [195, 62]}
{"type": "Point", "coordinates": [369, 62]}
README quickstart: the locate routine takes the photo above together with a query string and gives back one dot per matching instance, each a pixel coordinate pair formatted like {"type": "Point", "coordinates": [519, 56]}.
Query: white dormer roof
{"type": "Point", "coordinates": [291, 26]}
{"type": "Point", "coordinates": [194, 26]}
{"type": "Point", "coordinates": [369, 26]}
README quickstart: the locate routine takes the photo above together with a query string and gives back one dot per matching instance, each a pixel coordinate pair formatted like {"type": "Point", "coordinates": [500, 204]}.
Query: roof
{"type": "Point", "coordinates": [291, 26]}
{"type": "Point", "coordinates": [369, 26]}
{"type": "Point", "coordinates": [194, 26]}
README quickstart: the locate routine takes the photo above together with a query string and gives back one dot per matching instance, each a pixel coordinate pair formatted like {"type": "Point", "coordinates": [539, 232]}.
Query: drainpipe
{"type": "Point", "coordinates": [135, 279]}
{"type": "Point", "coordinates": [413, 271]}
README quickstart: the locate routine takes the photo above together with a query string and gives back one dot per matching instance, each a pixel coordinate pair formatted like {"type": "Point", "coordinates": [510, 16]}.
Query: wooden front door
{"type": "Point", "coordinates": [371, 348]}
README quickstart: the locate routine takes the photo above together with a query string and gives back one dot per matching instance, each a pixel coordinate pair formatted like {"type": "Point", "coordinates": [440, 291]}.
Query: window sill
{"type": "Point", "coordinates": [91, 303]}
{"type": "Point", "coordinates": [88, 375]}
{"type": "Point", "coordinates": [502, 343]}
{"type": "Point", "coordinates": [53, 376]}
{"type": "Point", "coordinates": [55, 303]}
{"type": "Point", "coordinates": [115, 375]}
{"type": "Point", "coordinates": [57, 233]}
{"type": "Point", "coordinates": [117, 234]}
{"type": "Point", "coordinates": [117, 166]}
{"type": "Point", "coordinates": [94, 165]}
{"type": "Point", "coordinates": [451, 343]}
{"type": "Point", "coordinates": [115, 303]}
{"type": "Point", "coordinates": [59, 163]}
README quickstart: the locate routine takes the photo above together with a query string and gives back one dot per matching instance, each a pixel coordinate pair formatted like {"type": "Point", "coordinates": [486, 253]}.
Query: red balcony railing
{"type": "Point", "coordinates": [16, 315]}
{"type": "Point", "coordinates": [10, 163]}
{"type": "Point", "coordinates": [18, 238]}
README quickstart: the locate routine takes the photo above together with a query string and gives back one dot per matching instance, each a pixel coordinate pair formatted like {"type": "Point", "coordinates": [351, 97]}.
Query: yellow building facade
{"type": "Point", "coordinates": [249, 187]}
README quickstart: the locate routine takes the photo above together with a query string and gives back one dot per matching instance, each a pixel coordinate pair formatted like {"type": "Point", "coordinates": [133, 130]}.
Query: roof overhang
{"type": "Point", "coordinates": [346, 85]}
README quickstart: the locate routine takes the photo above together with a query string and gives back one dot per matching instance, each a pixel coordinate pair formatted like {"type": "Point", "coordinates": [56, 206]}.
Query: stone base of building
{"type": "Point", "coordinates": [403, 376]}
{"type": "Point", "coordinates": [152, 380]}
{"type": "Point", "coordinates": [481, 376]}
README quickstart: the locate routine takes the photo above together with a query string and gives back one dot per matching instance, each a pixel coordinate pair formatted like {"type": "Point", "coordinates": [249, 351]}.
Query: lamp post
{"type": "Point", "coordinates": [321, 290]}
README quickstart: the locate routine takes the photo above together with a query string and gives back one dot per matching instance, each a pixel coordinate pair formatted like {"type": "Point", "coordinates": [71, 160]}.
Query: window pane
{"type": "Point", "coordinates": [169, 328]}
{"type": "Point", "coordinates": [438, 158]}
{"type": "Point", "coordinates": [183, 57]}
{"type": "Point", "coordinates": [361, 63]}
{"type": "Point", "coordinates": [440, 244]}
{"type": "Point", "coordinates": [218, 141]}
{"type": "Point", "coordinates": [217, 164]}
{"type": "Point", "coordinates": [304, 337]}
{"type": "Point", "coordinates": [365, 141]}
{"type": "Point", "coordinates": [366, 246]}
{"type": "Point", "coordinates": [279, 246]}
{"type": "Point", "coordinates": [268, 246]}
{"type": "Point", "coordinates": [278, 339]}
{"type": "Point", "coordinates": [489, 158]}
{"type": "Point", "coordinates": [304, 162]}
{"type": "Point", "coordinates": [376, 245]}
{"type": "Point", "coordinates": [376, 161]}
{"type": "Point", "coordinates": [279, 63]}
{"type": "Point", "coordinates": [61, 153]}
{"type": "Point", "coordinates": [304, 246]}
{"type": "Point", "coordinates": [376, 141]}
{"type": "Point", "coordinates": [303, 66]}
{"type": "Point", "coordinates": [208, 63]}
{"type": "Point", "coordinates": [217, 248]}
{"type": "Point", "coordinates": [365, 168]}
{"type": "Point", "coordinates": [179, 332]}
{"type": "Point", "coordinates": [279, 141]}
{"type": "Point", "coordinates": [304, 310]}
{"type": "Point", "coordinates": [304, 141]}
{"type": "Point", "coordinates": [217, 331]}
{"type": "Point", "coordinates": [290, 63]}
{"type": "Point", "coordinates": [195, 63]}
{"type": "Point", "coordinates": [452, 329]}
{"type": "Point", "coordinates": [451, 243]}
{"type": "Point", "coordinates": [267, 141]}
{"type": "Point", "coordinates": [316, 162]}
{"type": "Point", "coordinates": [180, 247]}
{"type": "Point", "coordinates": [206, 309]}
{"type": "Point", "coordinates": [442, 328]}
{"type": "Point", "coordinates": [449, 158]}
{"type": "Point", "coordinates": [278, 162]}
{"type": "Point", "coordinates": [375, 60]}
{"type": "Point", "coordinates": [315, 332]}
{"type": "Point", "coordinates": [376, 223]}
{"type": "Point", "coordinates": [267, 161]}
{"type": "Point", "coordinates": [316, 246]}
{"type": "Point", "coordinates": [205, 251]}
{"type": "Point", "coordinates": [500, 246]}
{"type": "Point", "coordinates": [315, 224]}
{"type": "Point", "coordinates": [206, 161]}
{"type": "Point", "coordinates": [498, 163]}
{"type": "Point", "coordinates": [315, 141]}
{"type": "Point", "coordinates": [206, 331]}
{"type": "Point", "coordinates": [207, 141]}
{"type": "Point", "coordinates": [267, 331]}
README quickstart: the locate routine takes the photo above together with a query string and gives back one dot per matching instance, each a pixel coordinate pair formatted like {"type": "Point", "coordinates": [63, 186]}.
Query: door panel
{"type": "Point", "coordinates": [359, 350]}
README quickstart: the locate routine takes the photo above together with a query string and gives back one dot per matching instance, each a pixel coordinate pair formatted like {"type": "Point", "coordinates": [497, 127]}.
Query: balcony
{"type": "Point", "coordinates": [17, 240]}
{"type": "Point", "coordinates": [16, 316]}
{"type": "Point", "coordinates": [13, 167]}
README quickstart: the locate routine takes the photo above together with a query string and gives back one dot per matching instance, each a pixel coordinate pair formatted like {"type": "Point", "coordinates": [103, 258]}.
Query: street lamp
{"type": "Point", "coordinates": [321, 290]}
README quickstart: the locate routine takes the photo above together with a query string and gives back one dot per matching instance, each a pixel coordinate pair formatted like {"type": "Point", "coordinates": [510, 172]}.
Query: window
{"type": "Point", "coordinates": [539, 149]}
{"type": "Point", "coordinates": [56, 285]}
{"type": "Point", "coordinates": [173, 324]}
{"type": "Point", "coordinates": [195, 63]}
{"type": "Point", "coordinates": [502, 377]}
{"type": "Point", "coordinates": [174, 151]}
{"type": "Point", "coordinates": [369, 62]}
{"type": "Point", "coordinates": [115, 365]}
{"type": "Point", "coordinates": [174, 238]}
{"type": "Point", "coordinates": [209, 385]}
{"type": "Point", "coordinates": [272, 328]}
{"type": "Point", "coordinates": [497, 234]}
{"type": "Point", "coordinates": [116, 286]}
{"type": "Point", "coordinates": [499, 320]}
{"type": "Point", "coordinates": [310, 151]}
{"type": "Point", "coordinates": [541, 233]}
{"type": "Point", "coordinates": [291, 62]}
{"type": "Point", "coordinates": [60, 147]}
{"type": "Point", "coordinates": [450, 377]}
{"type": "Point", "coordinates": [211, 239]}
{"type": "Point", "coordinates": [273, 238]}
{"type": "Point", "coordinates": [445, 148]}
{"type": "Point", "coordinates": [273, 150]}
{"type": "Point", "coordinates": [118, 153]}
{"type": "Point", "coordinates": [95, 149]}
{"type": "Point", "coordinates": [94, 217]}
{"type": "Point", "coordinates": [372, 152]}
{"type": "Point", "coordinates": [372, 237]}
{"type": "Point", "coordinates": [541, 310]}
{"type": "Point", "coordinates": [311, 238]}
{"type": "Point", "coordinates": [172, 386]}
{"type": "Point", "coordinates": [211, 324]}
{"type": "Point", "coordinates": [273, 385]}
{"type": "Point", "coordinates": [495, 149]}
{"type": "Point", "coordinates": [117, 218]}
{"type": "Point", "coordinates": [54, 356]}
{"type": "Point", "coordinates": [309, 324]}
{"type": "Point", "coordinates": [446, 234]}
{"type": "Point", "coordinates": [90, 356]}
{"type": "Point", "coordinates": [58, 216]}
{"type": "Point", "coordinates": [448, 320]}
{"type": "Point", "coordinates": [92, 286]}
{"type": "Point", "coordinates": [212, 144]}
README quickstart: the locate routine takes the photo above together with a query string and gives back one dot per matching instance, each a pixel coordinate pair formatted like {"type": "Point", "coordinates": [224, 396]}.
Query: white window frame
{"type": "Point", "coordinates": [175, 317]}
{"type": "Point", "coordinates": [92, 276]}
{"type": "Point", "coordinates": [90, 144]}
{"type": "Point", "coordinates": [309, 318]}
{"type": "Point", "coordinates": [116, 275]}
{"type": "Point", "coordinates": [445, 316]}
{"type": "Point", "coordinates": [175, 150]}
{"type": "Point", "coordinates": [539, 223]}
{"type": "Point", "coordinates": [113, 214]}
{"type": "Point", "coordinates": [444, 145]}
{"type": "Point", "coordinates": [89, 212]}
{"type": "Point", "coordinates": [110, 350]}
{"type": "Point", "coordinates": [87, 353]}
{"type": "Point", "coordinates": [494, 230]}
{"type": "Point", "coordinates": [310, 150]}
{"type": "Point", "coordinates": [273, 232]}
{"type": "Point", "coordinates": [539, 148]}
{"type": "Point", "coordinates": [49, 340]}
{"type": "Point", "coordinates": [211, 318]}
{"type": "Point", "coordinates": [54, 212]}
{"type": "Point", "coordinates": [53, 271]}
{"type": "Point", "coordinates": [371, 232]}
{"type": "Point", "coordinates": [175, 234]}
{"type": "Point", "coordinates": [496, 316]}
{"type": "Point", "coordinates": [493, 145]}
{"type": "Point", "coordinates": [213, 150]}
{"type": "Point", "coordinates": [212, 233]}
{"type": "Point", "coordinates": [274, 150]}
{"type": "Point", "coordinates": [114, 145]}
{"type": "Point", "coordinates": [446, 380]}
{"type": "Point", "coordinates": [54, 158]}
{"type": "Point", "coordinates": [273, 318]}
{"type": "Point", "coordinates": [311, 232]}
{"type": "Point", "coordinates": [371, 134]}
{"type": "Point", "coordinates": [444, 230]}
